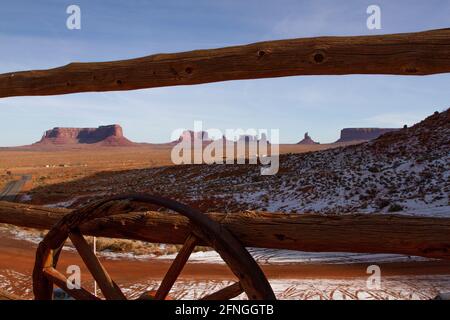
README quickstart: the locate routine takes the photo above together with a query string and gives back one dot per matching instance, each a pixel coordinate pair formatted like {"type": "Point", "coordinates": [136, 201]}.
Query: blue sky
{"type": "Point", "coordinates": [33, 35]}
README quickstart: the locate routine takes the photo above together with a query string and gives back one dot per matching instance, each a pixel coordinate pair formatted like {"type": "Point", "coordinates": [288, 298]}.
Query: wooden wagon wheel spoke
{"type": "Point", "coordinates": [56, 254]}
{"type": "Point", "coordinates": [176, 267]}
{"type": "Point", "coordinates": [60, 280]}
{"type": "Point", "coordinates": [109, 288]}
{"type": "Point", "coordinates": [227, 293]}
{"type": "Point", "coordinates": [205, 231]}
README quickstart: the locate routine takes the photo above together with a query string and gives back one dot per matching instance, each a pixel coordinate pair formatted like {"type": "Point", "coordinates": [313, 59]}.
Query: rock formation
{"type": "Point", "coordinates": [189, 135]}
{"type": "Point", "coordinates": [307, 140]}
{"type": "Point", "coordinates": [192, 135]}
{"type": "Point", "coordinates": [362, 134]}
{"type": "Point", "coordinates": [248, 138]}
{"type": "Point", "coordinates": [111, 135]}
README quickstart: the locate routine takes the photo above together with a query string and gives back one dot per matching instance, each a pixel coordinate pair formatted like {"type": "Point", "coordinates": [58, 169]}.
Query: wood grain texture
{"type": "Point", "coordinates": [227, 293]}
{"type": "Point", "coordinates": [230, 249]}
{"type": "Point", "coordinates": [110, 289]}
{"type": "Point", "coordinates": [421, 53]}
{"type": "Point", "coordinates": [176, 267]}
{"type": "Point", "coordinates": [374, 233]}
{"type": "Point", "coordinates": [60, 280]}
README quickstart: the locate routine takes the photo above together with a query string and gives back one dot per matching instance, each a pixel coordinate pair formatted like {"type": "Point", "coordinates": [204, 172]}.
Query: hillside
{"type": "Point", "coordinates": [402, 171]}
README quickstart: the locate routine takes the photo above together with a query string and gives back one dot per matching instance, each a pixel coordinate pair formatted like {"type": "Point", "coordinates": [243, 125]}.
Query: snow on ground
{"type": "Point", "coordinates": [406, 171]}
{"type": "Point", "coordinates": [392, 288]}
{"type": "Point", "coordinates": [14, 282]}
{"type": "Point", "coordinates": [274, 256]}
{"type": "Point", "coordinates": [26, 197]}
{"type": "Point", "coordinates": [262, 256]}
{"type": "Point", "coordinates": [62, 204]}
{"type": "Point", "coordinates": [20, 234]}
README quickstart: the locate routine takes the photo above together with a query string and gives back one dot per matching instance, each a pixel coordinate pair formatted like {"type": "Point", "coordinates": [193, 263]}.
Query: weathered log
{"type": "Point", "coordinates": [220, 239]}
{"type": "Point", "coordinates": [374, 233]}
{"type": "Point", "coordinates": [422, 236]}
{"type": "Point", "coordinates": [420, 53]}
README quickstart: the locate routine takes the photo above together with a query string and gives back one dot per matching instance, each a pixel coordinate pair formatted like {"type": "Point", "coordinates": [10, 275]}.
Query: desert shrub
{"type": "Point", "coordinates": [364, 205]}
{"type": "Point", "coordinates": [395, 207]}
{"type": "Point", "coordinates": [374, 169]}
{"type": "Point", "coordinates": [382, 203]}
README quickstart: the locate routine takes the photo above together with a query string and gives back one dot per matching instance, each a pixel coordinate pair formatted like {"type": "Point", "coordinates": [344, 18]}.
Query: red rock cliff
{"type": "Point", "coordinates": [366, 134]}
{"type": "Point", "coordinates": [105, 135]}
{"type": "Point", "coordinates": [307, 140]}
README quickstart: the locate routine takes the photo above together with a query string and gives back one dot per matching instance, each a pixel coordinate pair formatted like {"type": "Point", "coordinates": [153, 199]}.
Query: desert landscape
{"type": "Point", "coordinates": [224, 151]}
{"type": "Point", "coordinates": [395, 171]}
{"type": "Point", "coordinates": [58, 157]}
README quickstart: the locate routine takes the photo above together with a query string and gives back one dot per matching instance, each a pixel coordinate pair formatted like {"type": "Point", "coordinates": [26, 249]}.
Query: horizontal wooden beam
{"type": "Point", "coordinates": [421, 53]}
{"type": "Point", "coordinates": [374, 233]}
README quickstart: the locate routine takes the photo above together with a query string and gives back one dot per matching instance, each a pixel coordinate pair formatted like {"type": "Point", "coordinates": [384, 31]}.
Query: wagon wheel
{"type": "Point", "coordinates": [252, 280]}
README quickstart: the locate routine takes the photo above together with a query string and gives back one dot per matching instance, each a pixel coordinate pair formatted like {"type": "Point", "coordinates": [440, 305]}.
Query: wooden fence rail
{"type": "Point", "coordinates": [374, 233]}
{"type": "Point", "coordinates": [420, 53]}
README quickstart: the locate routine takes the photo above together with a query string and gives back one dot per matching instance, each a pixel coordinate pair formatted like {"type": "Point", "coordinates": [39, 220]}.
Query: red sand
{"type": "Point", "coordinates": [18, 255]}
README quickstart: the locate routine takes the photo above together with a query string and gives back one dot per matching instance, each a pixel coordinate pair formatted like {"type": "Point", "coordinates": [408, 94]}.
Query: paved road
{"type": "Point", "coordinates": [12, 189]}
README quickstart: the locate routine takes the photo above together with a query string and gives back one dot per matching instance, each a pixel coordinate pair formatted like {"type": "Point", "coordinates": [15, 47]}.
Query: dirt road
{"type": "Point", "coordinates": [13, 188]}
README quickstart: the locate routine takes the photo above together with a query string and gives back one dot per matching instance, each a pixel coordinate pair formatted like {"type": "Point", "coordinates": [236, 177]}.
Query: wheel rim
{"type": "Point", "coordinates": [252, 280]}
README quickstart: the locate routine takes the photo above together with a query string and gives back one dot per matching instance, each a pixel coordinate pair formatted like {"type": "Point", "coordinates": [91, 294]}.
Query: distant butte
{"type": "Point", "coordinates": [307, 140]}
{"type": "Point", "coordinates": [362, 134]}
{"type": "Point", "coordinates": [110, 135]}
